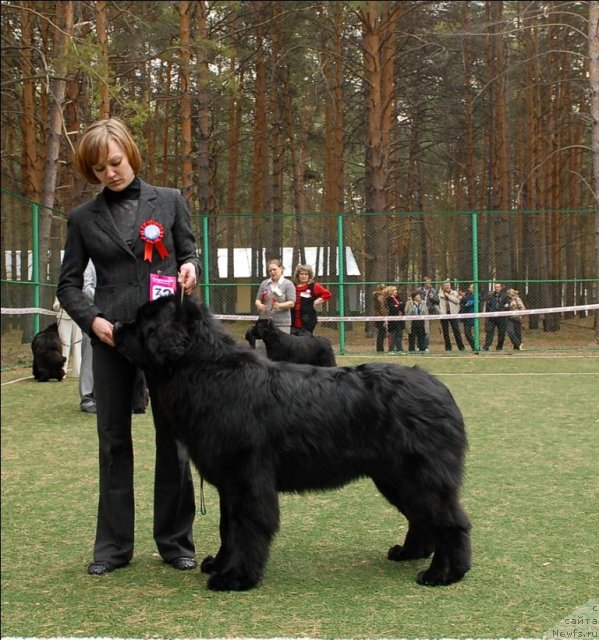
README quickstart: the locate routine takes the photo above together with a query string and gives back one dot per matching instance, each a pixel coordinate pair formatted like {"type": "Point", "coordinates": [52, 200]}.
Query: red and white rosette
{"type": "Point", "coordinates": [152, 233]}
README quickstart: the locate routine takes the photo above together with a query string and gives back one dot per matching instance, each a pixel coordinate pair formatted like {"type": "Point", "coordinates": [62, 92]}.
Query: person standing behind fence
{"type": "Point", "coordinates": [497, 301]}
{"type": "Point", "coordinates": [514, 323]}
{"type": "Point", "coordinates": [309, 294]}
{"type": "Point", "coordinates": [430, 297]}
{"type": "Point", "coordinates": [395, 307]}
{"type": "Point", "coordinates": [140, 239]}
{"type": "Point", "coordinates": [380, 309]}
{"type": "Point", "coordinates": [417, 329]}
{"type": "Point", "coordinates": [449, 303]}
{"type": "Point", "coordinates": [70, 336]}
{"type": "Point", "coordinates": [275, 299]}
{"type": "Point", "coordinates": [467, 306]}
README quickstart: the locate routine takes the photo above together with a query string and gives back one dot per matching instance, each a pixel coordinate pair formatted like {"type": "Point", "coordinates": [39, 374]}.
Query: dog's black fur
{"type": "Point", "coordinates": [254, 427]}
{"type": "Point", "coordinates": [48, 361]}
{"type": "Point", "coordinates": [285, 347]}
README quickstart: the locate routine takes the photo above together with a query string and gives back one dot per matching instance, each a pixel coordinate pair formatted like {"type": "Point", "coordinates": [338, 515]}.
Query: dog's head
{"type": "Point", "coordinates": [263, 328]}
{"type": "Point", "coordinates": [158, 337]}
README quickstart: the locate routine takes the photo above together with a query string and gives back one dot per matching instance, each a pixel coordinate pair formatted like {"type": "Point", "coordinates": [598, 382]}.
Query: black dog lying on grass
{"type": "Point", "coordinates": [284, 347]}
{"type": "Point", "coordinates": [254, 427]}
{"type": "Point", "coordinates": [48, 361]}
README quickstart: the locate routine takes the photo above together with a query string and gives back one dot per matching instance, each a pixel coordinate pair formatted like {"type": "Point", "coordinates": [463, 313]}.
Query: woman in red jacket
{"type": "Point", "coordinates": [308, 294]}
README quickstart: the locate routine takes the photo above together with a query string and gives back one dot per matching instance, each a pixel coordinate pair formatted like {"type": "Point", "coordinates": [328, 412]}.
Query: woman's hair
{"type": "Point", "coordinates": [276, 262]}
{"type": "Point", "coordinates": [304, 267]}
{"type": "Point", "coordinates": [95, 141]}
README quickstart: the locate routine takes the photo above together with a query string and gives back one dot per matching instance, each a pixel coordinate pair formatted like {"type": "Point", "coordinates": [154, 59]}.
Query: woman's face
{"type": "Point", "coordinates": [113, 169]}
{"type": "Point", "coordinates": [303, 277]}
{"type": "Point", "coordinates": [274, 271]}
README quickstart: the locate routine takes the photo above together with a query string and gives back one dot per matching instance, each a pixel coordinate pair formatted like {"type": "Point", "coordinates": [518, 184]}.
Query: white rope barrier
{"type": "Point", "coordinates": [438, 316]}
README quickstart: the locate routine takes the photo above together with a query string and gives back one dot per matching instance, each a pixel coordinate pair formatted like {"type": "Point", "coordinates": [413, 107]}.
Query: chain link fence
{"type": "Point", "coordinates": [548, 256]}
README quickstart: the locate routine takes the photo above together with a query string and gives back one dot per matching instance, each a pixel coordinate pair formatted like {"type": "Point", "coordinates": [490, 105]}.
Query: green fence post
{"type": "Point", "coordinates": [474, 218]}
{"type": "Point", "coordinates": [35, 266]}
{"type": "Point", "coordinates": [341, 278]}
{"type": "Point", "coordinates": [205, 261]}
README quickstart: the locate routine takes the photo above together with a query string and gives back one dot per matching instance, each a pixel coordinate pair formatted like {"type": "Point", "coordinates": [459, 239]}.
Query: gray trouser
{"type": "Point", "coordinates": [86, 375]}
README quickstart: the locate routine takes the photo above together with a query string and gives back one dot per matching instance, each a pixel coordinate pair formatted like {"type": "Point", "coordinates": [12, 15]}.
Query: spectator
{"type": "Point", "coordinates": [275, 299]}
{"type": "Point", "coordinates": [70, 336]}
{"type": "Point", "coordinates": [136, 234]}
{"type": "Point", "coordinates": [417, 329]}
{"type": "Point", "coordinates": [395, 306]}
{"type": "Point", "coordinates": [450, 304]}
{"type": "Point", "coordinates": [514, 323]}
{"type": "Point", "coordinates": [430, 297]}
{"type": "Point", "coordinates": [309, 294]}
{"type": "Point", "coordinates": [87, 402]}
{"type": "Point", "coordinates": [467, 306]}
{"type": "Point", "coordinates": [497, 301]}
{"type": "Point", "coordinates": [380, 309]}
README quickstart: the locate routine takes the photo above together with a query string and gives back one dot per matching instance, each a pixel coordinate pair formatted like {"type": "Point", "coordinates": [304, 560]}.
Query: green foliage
{"type": "Point", "coordinates": [531, 490]}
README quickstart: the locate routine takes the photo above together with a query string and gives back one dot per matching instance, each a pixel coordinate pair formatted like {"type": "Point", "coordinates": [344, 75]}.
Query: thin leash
{"type": "Point", "coordinates": [60, 319]}
{"type": "Point", "coordinates": [202, 497]}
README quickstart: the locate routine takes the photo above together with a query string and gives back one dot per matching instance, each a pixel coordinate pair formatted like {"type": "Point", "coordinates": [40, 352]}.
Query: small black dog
{"type": "Point", "coordinates": [48, 361]}
{"type": "Point", "coordinates": [284, 347]}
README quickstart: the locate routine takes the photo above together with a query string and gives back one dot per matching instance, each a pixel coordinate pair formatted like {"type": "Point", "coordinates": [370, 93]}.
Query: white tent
{"type": "Point", "coordinates": [242, 261]}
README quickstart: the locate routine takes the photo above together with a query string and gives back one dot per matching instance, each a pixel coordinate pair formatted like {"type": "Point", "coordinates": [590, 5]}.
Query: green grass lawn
{"type": "Point", "coordinates": [531, 489]}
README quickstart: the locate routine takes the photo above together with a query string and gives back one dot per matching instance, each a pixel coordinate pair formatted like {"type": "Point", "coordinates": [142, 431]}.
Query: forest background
{"type": "Point", "coordinates": [273, 117]}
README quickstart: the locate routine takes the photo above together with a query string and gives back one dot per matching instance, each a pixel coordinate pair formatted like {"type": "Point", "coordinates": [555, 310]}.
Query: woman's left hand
{"type": "Point", "coordinates": [187, 278]}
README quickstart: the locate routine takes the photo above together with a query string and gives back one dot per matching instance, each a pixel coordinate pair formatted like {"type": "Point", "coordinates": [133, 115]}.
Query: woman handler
{"type": "Point", "coordinates": [140, 240]}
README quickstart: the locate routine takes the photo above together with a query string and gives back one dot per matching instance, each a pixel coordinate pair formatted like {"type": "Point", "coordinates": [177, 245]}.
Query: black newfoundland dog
{"type": "Point", "coordinates": [48, 361]}
{"type": "Point", "coordinates": [284, 347]}
{"type": "Point", "coordinates": [254, 427]}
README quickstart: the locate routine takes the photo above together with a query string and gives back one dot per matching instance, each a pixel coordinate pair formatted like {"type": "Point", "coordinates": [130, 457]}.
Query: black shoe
{"type": "Point", "coordinates": [183, 564]}
{"type": "Point", "coordinates": [100, 567]}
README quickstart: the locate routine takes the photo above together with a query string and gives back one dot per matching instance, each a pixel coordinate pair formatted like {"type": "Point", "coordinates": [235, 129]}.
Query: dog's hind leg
{"type": "Point", "coordinates": [452, 557]}
{"type": "Point", "coordinates": [438, 525]}
{"type": "Point", "coordinates": [252, 508]}
{"type": "Point", "coordinates": [418, 542]}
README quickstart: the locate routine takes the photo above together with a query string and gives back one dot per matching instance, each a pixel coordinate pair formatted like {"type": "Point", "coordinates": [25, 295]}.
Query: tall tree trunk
{"type": "Point", "coordinates": [378, 48]}
{"type": "Point", "coordinates": [166, 139]}
{"type": "Point", "coordinates": [499, 160]}
{"type": "Point", "coordinates": [55, 127]}
{"type": "Point", "coordinates": [32, 186]}
{"type": "Point", "coordinates": [594, 82]}
{"type": "Point", "coordinates": [260, 157]}
{"type": "Point", "coordinates": [103, 62]}
{"type": "Point", "coordinates": [232, 182]}
{"type": "Point", "coordinates": [185, 8]}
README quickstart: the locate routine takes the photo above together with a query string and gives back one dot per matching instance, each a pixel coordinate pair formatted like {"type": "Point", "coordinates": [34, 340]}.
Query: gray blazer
{"type": "Point", "coordinates": [123, 276]}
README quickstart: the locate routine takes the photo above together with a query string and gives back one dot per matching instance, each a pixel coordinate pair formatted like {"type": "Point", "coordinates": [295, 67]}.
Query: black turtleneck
{"type": "Point", "coordinates": [123, 208]}
{"type": "Point", "coordinates": [130, 192]}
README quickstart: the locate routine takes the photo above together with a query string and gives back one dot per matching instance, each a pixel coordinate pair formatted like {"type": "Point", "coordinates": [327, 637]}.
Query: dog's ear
{"type": "Point", "coordinates": [250, 336]}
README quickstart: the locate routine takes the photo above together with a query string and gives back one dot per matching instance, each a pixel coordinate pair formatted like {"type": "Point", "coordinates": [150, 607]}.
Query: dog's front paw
{"type": "Point", "coordinates": [399, 553]}
{"type": "Point", "coordinates": [435, 578]}
{"type": "Point", "coordinates": [230, 581]}
{"type": "Point", "coordinates": [208, 564]}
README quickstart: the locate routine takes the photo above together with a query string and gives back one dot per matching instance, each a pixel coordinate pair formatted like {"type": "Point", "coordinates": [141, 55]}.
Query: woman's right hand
{"type": "Point", "coordinates": [103, 329]}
